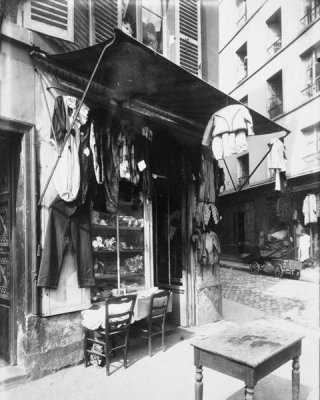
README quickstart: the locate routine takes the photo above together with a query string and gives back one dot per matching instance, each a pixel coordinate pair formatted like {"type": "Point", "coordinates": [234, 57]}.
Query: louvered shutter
{"type": "Point", "coordinates": [106, 19]}
{"type": "Point", "coordinates": [189, 40]}
{"type": "Point", "coordinates": [52, 17]}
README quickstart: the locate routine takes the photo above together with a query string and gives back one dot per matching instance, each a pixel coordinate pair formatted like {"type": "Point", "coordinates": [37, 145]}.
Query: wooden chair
{"type": "Point", "coordinates": [118, 319]}
{"type": "Point", "coordinates": [154, 324]}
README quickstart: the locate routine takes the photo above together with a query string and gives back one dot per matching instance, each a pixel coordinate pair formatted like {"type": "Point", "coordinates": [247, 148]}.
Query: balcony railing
{"type": "Point", "coordinates": [242, 20]}
{"type": "Point", "coordinates": [311, 15]}
{"type": "Point", "coordinates": [312, 88]}
{"type": "Point", "coordinates": [275, 107]}
{"type": "Point", "coordinates": [276, 46]}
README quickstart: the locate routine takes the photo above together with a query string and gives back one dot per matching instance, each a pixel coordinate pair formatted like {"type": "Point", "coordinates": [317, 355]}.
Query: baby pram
{"type": "Point", "coordinates": [278, 261]}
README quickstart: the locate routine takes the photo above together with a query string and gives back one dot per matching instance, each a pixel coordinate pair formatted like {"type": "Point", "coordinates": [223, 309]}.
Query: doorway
{"type": "Point", "coordinates": [169, 235]}
{"type": "Point", "coordinates": [6, 220]}
{"type": "Point", "coordinates": [239, 229]}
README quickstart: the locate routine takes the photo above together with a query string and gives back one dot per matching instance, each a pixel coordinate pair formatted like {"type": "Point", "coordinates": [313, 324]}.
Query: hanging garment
{"type": "Point", "coordinates": [309, 209]}
{"type": "Point", "coordinates": [86, 163]}
{"type": "Point", "coordinates": [208, 248]}
{"type": "Point", "coordinates": [68, 227]}
{"type": "Point", "coordinates": [67, 173]}
{"type": "Point", "coordinates": [228, 128]}
{"type": "Point", "coordinates": [304, 247]}
{"type": "Point", "coordinates": [207, 187]}
{"type": "Point", "coordinates": [66, 176]}
{"type": "Point", "coordinates": [277, 160]}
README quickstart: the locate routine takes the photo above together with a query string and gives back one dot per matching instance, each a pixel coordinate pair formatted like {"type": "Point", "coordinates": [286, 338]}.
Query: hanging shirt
{"type": "Point", "coordinates": [304, 247]}
{"type": "Point", "coordinates": [309, 209]}
{"type": "Point", "coordinates": [228, 128]}
{"type": "Point", "coordinates": [277, 160]}
{"type": "Point", "coordinates": [67, 173]}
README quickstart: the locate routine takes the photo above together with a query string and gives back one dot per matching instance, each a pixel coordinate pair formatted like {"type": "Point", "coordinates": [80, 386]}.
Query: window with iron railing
{"type": "Point", "coordinates": [276, 46]}
{"type": "Point", "coordinates": [275, 101]}
{"type": "Point", "coordinates": [242, 61]}
{"type": "Point", "coordinates": [274, 32]}
{"type": "Point", "coordinates": [311, 12]}
{"type": "Point", "coordinates": [312, 72]}
{"type": "Point", "coordinates": [242, 12]}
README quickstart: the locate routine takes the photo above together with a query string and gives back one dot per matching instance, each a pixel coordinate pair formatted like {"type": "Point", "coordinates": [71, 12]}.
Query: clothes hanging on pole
{"type": "Point", "coordinates": [277, 160]}
{"type": "Point", "coordinates": [309, 209]}
{"type": "Point", "coordinates": [67, 173]}
{"type": "Point", "coordinates": [68, 227]}
{"type": "Point", "coordinates": [227, 131]}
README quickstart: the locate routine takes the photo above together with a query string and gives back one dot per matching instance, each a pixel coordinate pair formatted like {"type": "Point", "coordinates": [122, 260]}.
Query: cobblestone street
{"type": "Point", "coordinates": [296, 301]}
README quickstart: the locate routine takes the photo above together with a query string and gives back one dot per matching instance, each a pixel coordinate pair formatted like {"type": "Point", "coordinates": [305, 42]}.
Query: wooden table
{"type": "Point", "coordinates": [248, 352]}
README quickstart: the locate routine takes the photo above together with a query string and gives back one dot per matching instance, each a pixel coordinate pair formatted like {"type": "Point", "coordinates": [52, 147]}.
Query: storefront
{"type": "Point", "coordinates": [137, 187]}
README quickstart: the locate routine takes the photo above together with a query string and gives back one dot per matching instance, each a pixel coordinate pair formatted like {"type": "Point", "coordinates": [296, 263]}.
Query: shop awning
{"type": "Point", "coordinates": [136, 73]}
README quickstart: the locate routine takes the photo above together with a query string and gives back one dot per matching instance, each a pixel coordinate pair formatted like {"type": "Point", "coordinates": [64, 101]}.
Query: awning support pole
{"type": "Point", "coordinates": [74, 120]}
{"type": "Point", "coordinates": [229, 174]}
{"type": "Point", "coordinates": [248, 177]}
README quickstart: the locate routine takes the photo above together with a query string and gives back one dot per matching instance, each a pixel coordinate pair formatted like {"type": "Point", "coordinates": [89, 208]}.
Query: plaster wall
{"type": "Point", "coordinates": [43, 344]}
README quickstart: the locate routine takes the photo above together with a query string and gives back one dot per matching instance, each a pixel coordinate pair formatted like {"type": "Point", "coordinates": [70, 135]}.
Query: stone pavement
{"type": "Point", "coordinates": [289, 299]}
{"type": "Point", "coordinates": [170, 375]}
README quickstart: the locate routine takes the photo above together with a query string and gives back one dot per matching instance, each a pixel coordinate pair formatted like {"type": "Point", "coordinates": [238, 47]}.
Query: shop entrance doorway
{"type": "Point", "coordinates": [169, 221]}
{"type": "Point", "coordinates": [239, 225]}
{"type": "Point", "coordinates": [5, 249]}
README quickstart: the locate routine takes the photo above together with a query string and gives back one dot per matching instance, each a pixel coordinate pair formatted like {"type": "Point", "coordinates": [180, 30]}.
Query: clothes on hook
{"type": "Point", "coordinates": [68, 227]}
{"type": "Point", "coordinates": [309, 209]}
{"type": "Point", "coordinates": [227, 131]}
{"type": "Point", "coordinates": [277, 160]}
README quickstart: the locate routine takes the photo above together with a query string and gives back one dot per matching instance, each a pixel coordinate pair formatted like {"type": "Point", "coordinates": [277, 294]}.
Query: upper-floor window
{"type": "Point", "coordinates": [275, 101]}
{"type": "Point", "coordinates": [311, 11]}
{"type": "Point", "coordinates": [312, 71]}
{"type": "Point", "coordinates": [242, 58]}
{"type": "Point", "coordinates": [274, 32]}
{"type": "Point", "coordinates": [311, 147]}
{"type": "Point", "coordinates": [242, 12]}
{"type": "Point", "coordinates": [52, 17]}
{"type": "Point", "coordinates": [243, 170]}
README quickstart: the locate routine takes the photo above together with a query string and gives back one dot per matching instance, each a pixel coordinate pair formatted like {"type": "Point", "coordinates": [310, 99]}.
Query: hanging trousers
{"type": "Point", "coordinates": [68, 228]}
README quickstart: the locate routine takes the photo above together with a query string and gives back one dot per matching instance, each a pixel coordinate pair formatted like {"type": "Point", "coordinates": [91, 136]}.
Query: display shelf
{"type": "Point", "coordinates": [123, 275]}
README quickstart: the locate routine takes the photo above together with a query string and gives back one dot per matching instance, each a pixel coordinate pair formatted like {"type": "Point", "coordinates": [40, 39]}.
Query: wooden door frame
{"type": "Point", "coordinates": [23, 134]}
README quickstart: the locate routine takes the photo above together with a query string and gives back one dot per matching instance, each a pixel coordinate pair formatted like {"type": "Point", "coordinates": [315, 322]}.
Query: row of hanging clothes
{"type": "Point", "coordinates": [97, 154]}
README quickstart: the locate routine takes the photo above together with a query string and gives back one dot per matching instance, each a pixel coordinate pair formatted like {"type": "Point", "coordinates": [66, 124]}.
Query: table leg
{"type": "Point", "coordinates": [249, 393]}
{"type": "Point", "coordinates": [199, 384]}
{"type": "Point", "coordinates": [295, 378]}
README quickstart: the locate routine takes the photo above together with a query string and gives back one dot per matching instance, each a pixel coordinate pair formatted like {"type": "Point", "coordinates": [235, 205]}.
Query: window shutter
{"type": "Point", "coordinates": [106, 14]}
{"type": "Point", "coordinates": [189, 40]}
{"type": "Point", "coordinates": [52, 17]}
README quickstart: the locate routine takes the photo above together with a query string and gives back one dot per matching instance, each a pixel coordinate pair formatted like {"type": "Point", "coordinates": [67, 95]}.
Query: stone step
{"type": "Point", "coordinates": [11, 376]}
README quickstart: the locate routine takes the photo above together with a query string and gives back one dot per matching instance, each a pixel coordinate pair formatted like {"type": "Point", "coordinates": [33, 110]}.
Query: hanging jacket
{"type": "Point", "coordinates": [66, 176]}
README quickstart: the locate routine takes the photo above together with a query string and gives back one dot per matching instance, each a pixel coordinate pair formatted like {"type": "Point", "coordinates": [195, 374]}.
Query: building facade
{"type": "Point", "coordinates": [269, 60]}
{"type": "Point", "coordinates": [41, 328]}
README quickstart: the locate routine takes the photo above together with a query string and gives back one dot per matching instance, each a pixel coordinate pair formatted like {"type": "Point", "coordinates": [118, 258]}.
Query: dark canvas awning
{"type": "Point", "coordinates": [135, 72]}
